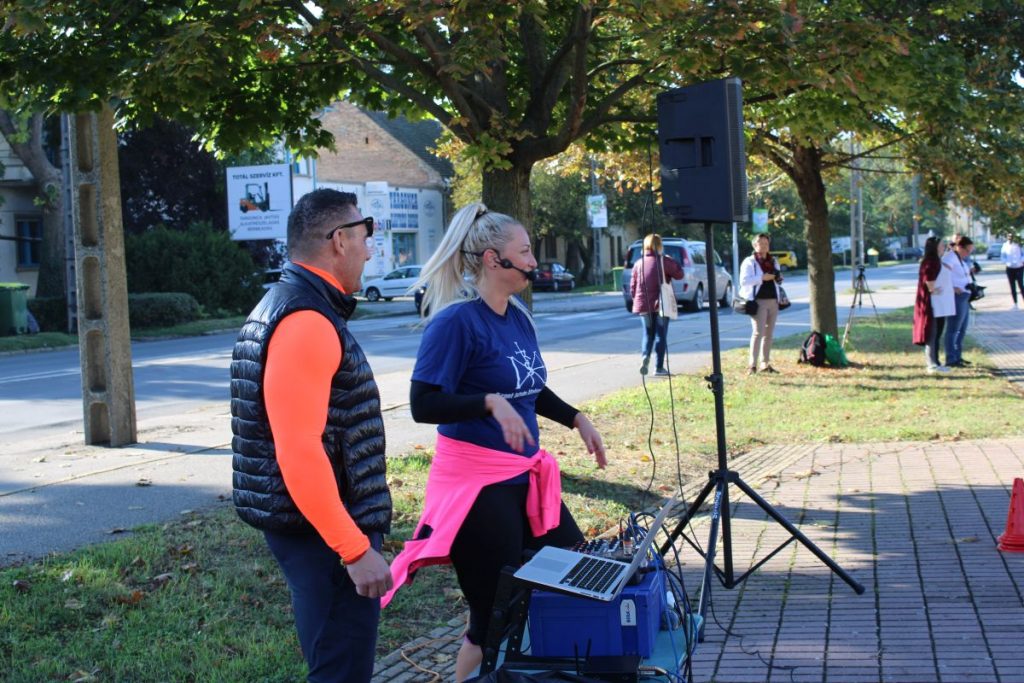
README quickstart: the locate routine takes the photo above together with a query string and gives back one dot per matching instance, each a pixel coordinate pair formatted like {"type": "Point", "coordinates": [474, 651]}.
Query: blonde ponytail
{"type": "Point", "coordinates": [473, 231]}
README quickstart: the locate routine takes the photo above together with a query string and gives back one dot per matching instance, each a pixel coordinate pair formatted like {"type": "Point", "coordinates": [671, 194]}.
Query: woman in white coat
{"type": "Point", "coordinates": [760, 277]}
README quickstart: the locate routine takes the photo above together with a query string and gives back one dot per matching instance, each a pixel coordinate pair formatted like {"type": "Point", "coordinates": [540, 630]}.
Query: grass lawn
{"type": "Point", "coordinates": [201, 599]}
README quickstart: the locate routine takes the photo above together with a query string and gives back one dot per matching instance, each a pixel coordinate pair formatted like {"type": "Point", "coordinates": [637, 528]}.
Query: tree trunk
{"type": "Point", "coordinates": [583, 256]}
{"type": "Point", "coordinates": [508, 192]}
{"type": "Point", "coordinates": [806, 174]}
{"type": "Point", "coordinates": [51, 279]}
{"type": "Point", "coordinates": [49, 182]}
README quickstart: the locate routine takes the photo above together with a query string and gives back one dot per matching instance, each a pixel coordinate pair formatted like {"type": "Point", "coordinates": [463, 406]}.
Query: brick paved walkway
{"type": "Point", "coordinates": [915, 523]}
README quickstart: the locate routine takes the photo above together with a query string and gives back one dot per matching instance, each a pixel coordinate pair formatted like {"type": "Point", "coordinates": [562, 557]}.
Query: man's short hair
{"type": "Point", "coordinates": [311, 213]}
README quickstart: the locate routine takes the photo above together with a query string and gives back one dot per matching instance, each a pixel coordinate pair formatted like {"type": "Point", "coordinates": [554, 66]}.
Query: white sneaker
{"type": "Point", "coordinates": [932, 369]}
{"type": "Point", "coordinates": [1016, 307]}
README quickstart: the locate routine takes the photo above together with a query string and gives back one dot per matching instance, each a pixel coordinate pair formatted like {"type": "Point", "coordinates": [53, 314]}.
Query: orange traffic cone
{"type": "Point", "coordinates": [1012, 539]}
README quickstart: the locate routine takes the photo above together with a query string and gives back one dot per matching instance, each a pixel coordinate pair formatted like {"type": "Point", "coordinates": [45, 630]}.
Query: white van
{"type": "Point", "coordinates": [691, 291]}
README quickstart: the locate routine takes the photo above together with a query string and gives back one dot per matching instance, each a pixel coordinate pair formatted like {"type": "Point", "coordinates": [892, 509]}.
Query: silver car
{"type": "Point", "coordinates": [398, 282]}
{"type": "Point", "coordinates": [691, 291]}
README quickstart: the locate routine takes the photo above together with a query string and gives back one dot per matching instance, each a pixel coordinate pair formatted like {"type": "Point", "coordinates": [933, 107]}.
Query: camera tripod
{"type": "Point", "coordinates": [719, 481]}
{"type": "Point", "coordinates": [860, 287]}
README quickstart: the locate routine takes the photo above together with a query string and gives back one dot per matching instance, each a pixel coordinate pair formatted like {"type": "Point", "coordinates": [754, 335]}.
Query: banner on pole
{"type": "Point", "coordinates": [760, 220]}
{"type": "Point", "coordinates": [597, 211]}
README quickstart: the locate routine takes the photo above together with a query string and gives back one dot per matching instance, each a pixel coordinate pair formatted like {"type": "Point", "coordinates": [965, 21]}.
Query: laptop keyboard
{"type": "Point", "coordinates": [593, 574]}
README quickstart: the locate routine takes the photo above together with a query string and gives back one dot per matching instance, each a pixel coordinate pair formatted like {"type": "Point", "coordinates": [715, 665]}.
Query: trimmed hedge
{"type": "Point", "coordinates": [161, 309]}
{"type": "Point", "coordinates": [51, 312]}
{"type": "Point", "coordinates": [200, 261]}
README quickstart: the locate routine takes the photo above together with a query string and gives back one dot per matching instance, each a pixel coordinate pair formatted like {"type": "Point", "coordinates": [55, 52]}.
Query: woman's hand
{"type": "Point", "coordinates": [513, 427]}
{"type": "Point", "coordinates": [591, 439]}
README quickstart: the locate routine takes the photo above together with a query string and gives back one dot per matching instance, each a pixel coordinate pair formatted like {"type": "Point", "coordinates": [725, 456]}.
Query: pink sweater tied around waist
{"type": "Point", "coordinates": [457, 474]}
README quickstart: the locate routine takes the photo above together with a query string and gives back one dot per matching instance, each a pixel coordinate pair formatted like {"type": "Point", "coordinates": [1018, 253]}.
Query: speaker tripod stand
{"type": "Point", "coordinates": [722, 478]}
{"type": "Point", "coordinates": [860, 287]}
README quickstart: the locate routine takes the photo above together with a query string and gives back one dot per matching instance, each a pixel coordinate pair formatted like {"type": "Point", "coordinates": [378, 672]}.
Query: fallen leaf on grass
{"type": "Point", "coordinates": [133, 598]}
{"type": "Point", "coordinates": [137, 561]}
{"type": "Point", "coordinates": [161, 579]}
{"type": "Point", "coordinates": [191, 567]}
{"type": "Point", "coordinates": [67, 576]}
{"type": "Point", "coordinates": [22, 586]}
{"type": "Point", "coordinates": [83, 676]}
{"type": "Point", "coordinates": [72, 603]}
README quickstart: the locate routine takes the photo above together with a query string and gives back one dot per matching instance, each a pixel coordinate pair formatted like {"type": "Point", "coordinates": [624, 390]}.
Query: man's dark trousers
{"type": "Point", "coordinates": [337, 627]}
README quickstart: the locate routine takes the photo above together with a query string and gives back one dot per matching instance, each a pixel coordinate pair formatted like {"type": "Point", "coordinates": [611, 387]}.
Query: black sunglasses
{"type": "Point", "coordinates": [368, 222]}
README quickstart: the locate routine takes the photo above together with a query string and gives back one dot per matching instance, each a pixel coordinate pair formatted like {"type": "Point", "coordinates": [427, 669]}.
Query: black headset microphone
{"type": "Point", "coordinates": [530, 275]}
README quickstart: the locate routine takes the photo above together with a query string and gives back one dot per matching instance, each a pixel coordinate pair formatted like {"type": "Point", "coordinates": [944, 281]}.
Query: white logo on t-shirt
{"type": "Point", "coordinates": [528, 368]}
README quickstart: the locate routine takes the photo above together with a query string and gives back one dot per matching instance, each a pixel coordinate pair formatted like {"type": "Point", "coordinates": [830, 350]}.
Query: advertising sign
{"type": "Point", "coordinates": [760, 220]}
{"type": "Point", "coordinates": [378, 202]}
{"type": "Point", "coordinates": [259, 201]}
{"type": "Point", "coordinates": [597, 211]}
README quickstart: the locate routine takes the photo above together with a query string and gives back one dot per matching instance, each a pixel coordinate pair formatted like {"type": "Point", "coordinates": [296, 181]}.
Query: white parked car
{"type": "Point", "coordinates": [398, 282]}
{"type": "Point", "coordinates": [691, 291]}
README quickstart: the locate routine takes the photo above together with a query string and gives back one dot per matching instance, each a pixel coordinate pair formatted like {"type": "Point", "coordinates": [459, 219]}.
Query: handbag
{"type": "Point", "coordinates": [744, 306]}
{"type": "Point", "coordinates": [669, 307]}
{"type": "Point", "coordinates": [784, 301]}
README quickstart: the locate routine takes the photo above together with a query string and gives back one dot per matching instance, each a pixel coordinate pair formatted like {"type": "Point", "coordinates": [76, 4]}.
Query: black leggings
{"type": "Point", "coordinates": [1016, 278]}
{"type": "Point", "coordinates": [493, 536]}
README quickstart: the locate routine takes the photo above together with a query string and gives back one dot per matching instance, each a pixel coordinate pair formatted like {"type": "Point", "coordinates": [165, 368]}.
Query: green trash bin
{"type": "Point", "coordinates": [617, 277]}
{"type": "Point", "coordinates": [873, 257]}
{"type": "Point", "coordinates": [13, 308]}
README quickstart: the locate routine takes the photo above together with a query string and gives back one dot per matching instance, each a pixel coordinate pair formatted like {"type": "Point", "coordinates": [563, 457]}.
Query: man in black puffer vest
{"type": "Point", "coordinates": [309, 466]}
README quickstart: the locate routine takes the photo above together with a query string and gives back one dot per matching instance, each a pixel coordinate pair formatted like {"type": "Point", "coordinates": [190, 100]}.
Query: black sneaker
{"type": "Point", "coordinates": [662, 372]}
{"type": "Point", "coordinates": [643, 365]}
{"type": "Point", "coordinates": [770, 370]}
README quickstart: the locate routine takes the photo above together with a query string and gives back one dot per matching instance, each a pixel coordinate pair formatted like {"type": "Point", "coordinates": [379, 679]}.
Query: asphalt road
{"type": "Point", "coordinates": [589, 342]}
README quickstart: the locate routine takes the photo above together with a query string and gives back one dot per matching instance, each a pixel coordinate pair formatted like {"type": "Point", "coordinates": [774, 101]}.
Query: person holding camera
{"type": "Point", "coordinates": [958, 258]}
{"type": "Point", "coordinates": [760, 277]}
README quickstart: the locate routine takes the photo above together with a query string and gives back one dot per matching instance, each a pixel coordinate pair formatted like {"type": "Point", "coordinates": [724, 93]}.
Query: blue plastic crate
{"type": "Point", "coordinates": [563, 625]}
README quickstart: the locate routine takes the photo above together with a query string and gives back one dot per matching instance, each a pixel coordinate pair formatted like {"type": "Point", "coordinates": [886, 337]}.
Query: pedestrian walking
{"type": "Point", "coordinates": [1013, 259]}
{"type": "Point", "coordinates": [649, 272]}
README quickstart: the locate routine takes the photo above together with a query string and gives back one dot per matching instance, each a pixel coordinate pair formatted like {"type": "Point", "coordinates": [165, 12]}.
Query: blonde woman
{"type": "Point", "coordinates": [492, 491]}
{"type": "Point", "coordinates": [649, 272]}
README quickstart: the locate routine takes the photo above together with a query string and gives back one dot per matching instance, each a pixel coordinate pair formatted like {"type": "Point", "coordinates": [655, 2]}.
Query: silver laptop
{"type": "Point", "coordinates": [590, 576]}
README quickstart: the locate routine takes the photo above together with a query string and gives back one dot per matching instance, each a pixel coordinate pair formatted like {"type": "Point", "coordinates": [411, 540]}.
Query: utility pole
{"type": "Point", "coordinates": [598, 269]}
{"type": "Point", "coordinates": [915, 209]}
{"type": "Point", "coordinates": [854, 203]}
{"type": "Point", "coordinates": [104, 340]}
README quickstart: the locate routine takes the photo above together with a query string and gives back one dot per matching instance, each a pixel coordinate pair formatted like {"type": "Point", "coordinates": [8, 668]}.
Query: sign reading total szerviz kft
{"type": "Point", "coordinates": [259, 201]}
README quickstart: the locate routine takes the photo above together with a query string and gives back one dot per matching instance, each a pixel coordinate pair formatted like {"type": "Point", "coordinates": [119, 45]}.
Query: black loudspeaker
{"type": "Point", "coordinates": [703, 161]}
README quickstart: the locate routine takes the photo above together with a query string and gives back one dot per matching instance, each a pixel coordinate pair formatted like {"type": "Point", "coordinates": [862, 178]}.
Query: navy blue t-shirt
{"type": "Point", "coordinates": [469, 349]}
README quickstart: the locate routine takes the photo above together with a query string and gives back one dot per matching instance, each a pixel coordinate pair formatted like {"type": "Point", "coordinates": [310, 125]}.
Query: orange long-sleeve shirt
{"type": "Point", "coordinates": [303, 355]}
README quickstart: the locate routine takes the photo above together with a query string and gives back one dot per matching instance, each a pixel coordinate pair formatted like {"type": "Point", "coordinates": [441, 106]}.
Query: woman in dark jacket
{"type": "Point", "coordinates": [648, 273]}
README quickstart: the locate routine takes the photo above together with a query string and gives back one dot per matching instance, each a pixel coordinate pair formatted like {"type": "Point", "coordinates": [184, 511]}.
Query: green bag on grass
{"type": "Point", "coordinates": [834, 354]}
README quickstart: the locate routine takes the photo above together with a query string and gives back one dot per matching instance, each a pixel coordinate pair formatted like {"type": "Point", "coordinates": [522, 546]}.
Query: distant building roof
{"type": "Point", "coordinates": [419, 136]}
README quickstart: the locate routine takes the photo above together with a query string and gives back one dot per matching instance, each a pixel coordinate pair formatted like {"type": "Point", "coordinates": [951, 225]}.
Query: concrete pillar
{"type": "Point", "coordinates": [104, 342]}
